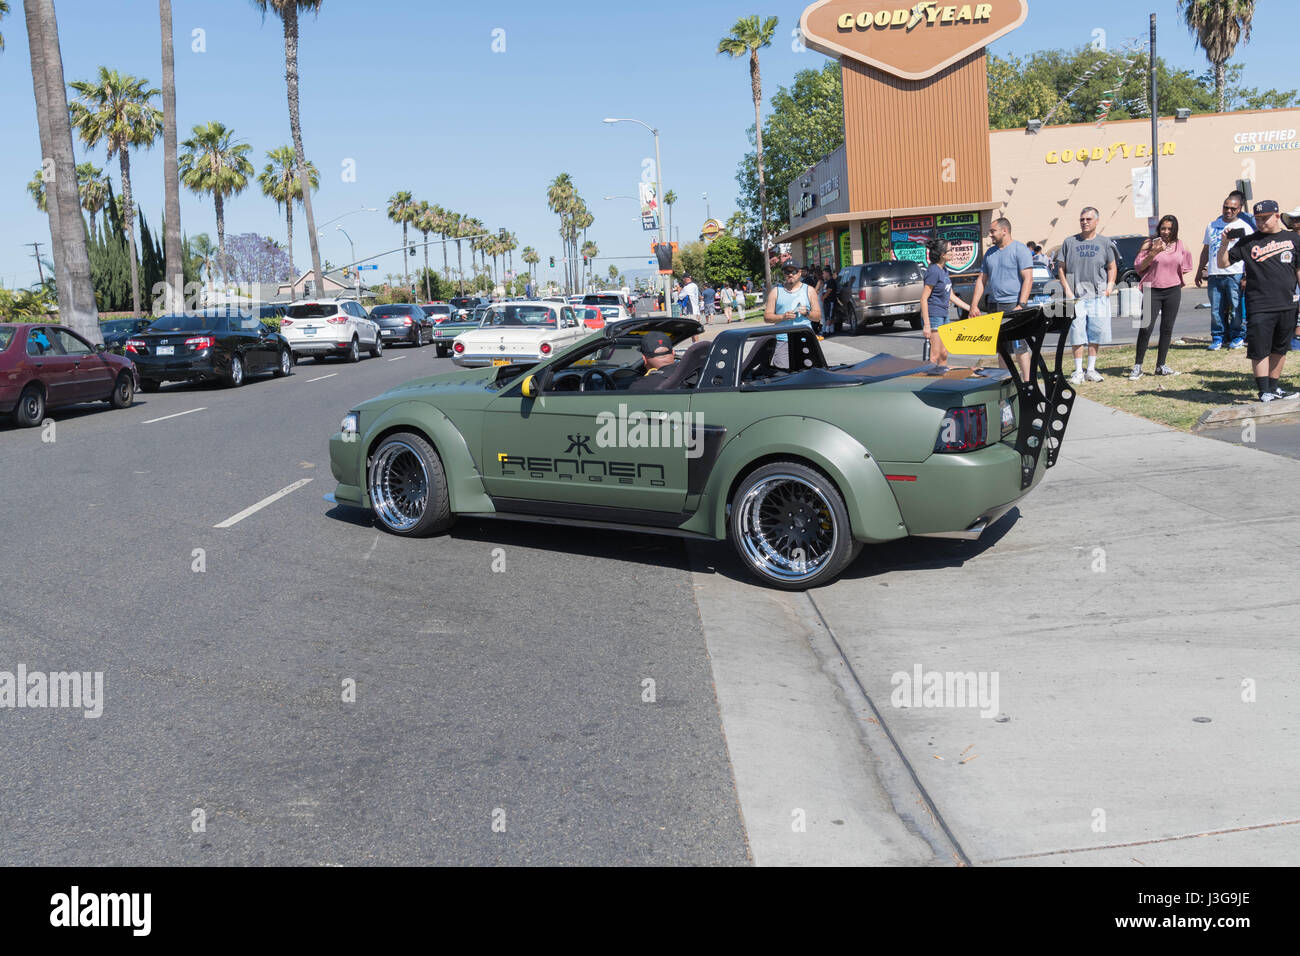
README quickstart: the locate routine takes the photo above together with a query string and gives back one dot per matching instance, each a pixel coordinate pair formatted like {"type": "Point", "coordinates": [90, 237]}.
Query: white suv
{"type": "Point", "coordinates": [321, 327]}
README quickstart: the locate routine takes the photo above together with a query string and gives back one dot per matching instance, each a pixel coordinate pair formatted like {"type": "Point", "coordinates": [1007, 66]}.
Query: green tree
{"type": "Point", "coordinates": [402, 209]}
{"type": "Point", "coordinates": [118, 109]}
{"type": "Point", "coordinates": [732, 259]}
{"type": "Point", "coordinates": [1218, 25]}
{"type": "Point", "coordinates": [205, 252]}
{"type": "Point", "coordinates": [92, 185]}
{"type": "Point", "coordinates": [279, 181]}
{"type": "Point", "coordinates": [749, 35]}
{"type": "Point", "coordinates": [287, 11]}
{"type": "Point", "coordinates": [4, 9]}
{"type": "Point", "coordinates": [670, 200]}
{"type": "Point", "coordinates": [531, 258]}
{"type": "Point", "coordinates": [214, 163]}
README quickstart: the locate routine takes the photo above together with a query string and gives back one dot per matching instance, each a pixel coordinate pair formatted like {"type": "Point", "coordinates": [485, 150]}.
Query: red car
{"type": "Point", "coordinates": [48, 366]}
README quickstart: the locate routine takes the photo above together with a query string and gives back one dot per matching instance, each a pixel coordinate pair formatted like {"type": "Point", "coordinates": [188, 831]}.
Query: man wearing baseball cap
{"type": "Point", "coordinates": [657, 350]}
{"type": "Point", "coordinates": [1272, 267]}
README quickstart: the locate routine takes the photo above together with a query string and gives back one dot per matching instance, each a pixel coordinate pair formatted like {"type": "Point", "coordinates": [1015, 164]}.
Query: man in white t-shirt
{"type": "Point", "coordinates": [1227, 315]}
{"type": "Point", "coordinates": [691, 293]}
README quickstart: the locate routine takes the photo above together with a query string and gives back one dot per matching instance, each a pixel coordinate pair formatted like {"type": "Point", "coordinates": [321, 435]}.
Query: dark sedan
{"type": "Point", "coordinates": [203, 346]}
{"type": "Point", "coordinates": [402, 322]}
{"type": "Point", "coordinates": [48, 366]}
{"type": "Point", "coordinates": [117, 331]}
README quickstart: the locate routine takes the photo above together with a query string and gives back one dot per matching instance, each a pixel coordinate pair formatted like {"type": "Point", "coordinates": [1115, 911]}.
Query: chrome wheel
{"type": "Point", "coordinates": [236, 371]}
{"type": "Point", "coordinates": [286, 362]}
{"type": "Point", "coordinates": [787, 528]}
{"type": "Point", "coordinates": [399, 486]}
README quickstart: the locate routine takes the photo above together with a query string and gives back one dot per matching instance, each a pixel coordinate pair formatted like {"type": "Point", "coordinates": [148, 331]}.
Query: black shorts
{"type": "Point", "coordinates": [1269, 333]}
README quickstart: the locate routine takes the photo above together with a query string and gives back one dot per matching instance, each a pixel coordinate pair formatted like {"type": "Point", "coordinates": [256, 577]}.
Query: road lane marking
{"type": "Point", "coordinates": [235, 519]}
{"type": "Point", "coordinates": [177, 415]}
{"type": "Point", "coordinates": [398, 359]}
{"type": "Point", "coordinates": [320, 377]}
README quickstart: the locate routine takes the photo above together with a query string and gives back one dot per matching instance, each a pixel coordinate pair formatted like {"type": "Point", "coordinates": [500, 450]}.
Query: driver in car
{"type": "Point", "coordinates": [657, 351]}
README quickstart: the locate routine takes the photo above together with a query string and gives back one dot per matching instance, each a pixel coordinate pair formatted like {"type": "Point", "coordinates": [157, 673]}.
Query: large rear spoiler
{"type": "Point", "coordinates": [1047, 398]}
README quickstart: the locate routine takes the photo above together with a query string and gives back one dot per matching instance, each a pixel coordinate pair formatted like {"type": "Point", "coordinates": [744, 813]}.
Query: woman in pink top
{"type": "Point", "coordinates": [1161, 263]}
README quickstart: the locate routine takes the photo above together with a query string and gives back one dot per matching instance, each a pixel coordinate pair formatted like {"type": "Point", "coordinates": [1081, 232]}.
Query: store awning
{"type": "Point", "coordinates": [839, 218]}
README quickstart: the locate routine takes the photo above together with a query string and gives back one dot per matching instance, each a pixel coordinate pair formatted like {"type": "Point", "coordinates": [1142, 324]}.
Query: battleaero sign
{"type": "Point", "coordinates": [912, 42]}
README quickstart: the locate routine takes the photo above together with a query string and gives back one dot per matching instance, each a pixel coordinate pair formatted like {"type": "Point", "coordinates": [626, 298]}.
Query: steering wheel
{"type": "Point", "coordinates": [589, 381]}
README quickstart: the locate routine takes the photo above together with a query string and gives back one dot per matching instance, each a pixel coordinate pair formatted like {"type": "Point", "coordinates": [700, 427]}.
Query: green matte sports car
{"type": "Point", "coordinates": [750, 437]}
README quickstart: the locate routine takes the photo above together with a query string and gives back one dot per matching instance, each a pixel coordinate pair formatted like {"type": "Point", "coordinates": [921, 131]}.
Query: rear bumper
{"type": "Point", "coordinates": [483, 359]}
{"type": "Point", "coordinates": [889, 309]}
{"type": "Point", "coordinates": [398, 333]}
{"type": "Point", "coordinates": [188, 369]}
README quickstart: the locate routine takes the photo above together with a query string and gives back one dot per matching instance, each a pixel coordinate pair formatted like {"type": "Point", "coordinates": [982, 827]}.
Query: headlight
{"type": "Point", "coordinates": [351, 423]}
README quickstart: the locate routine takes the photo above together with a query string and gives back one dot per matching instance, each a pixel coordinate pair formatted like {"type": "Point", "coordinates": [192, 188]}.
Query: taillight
{"type": "Point", "coordinates": [963, 429]}
{"type": "Point", "coordinates": [862, 295]}
{"type": "Point", "coordinates": [136, 345]}
{"type": "Point", "coordinates": [458, 347]}
{"type": "Point", "coordinates": [201, 342]}
{"type": "Point", "coordinates": [406, 321]}
{"type": "Point", "coordinates": [545, 349]}
{"type": "Point", "coordinates": [285, 322]}
{"type": "Point", "coordinates": [337, 319]}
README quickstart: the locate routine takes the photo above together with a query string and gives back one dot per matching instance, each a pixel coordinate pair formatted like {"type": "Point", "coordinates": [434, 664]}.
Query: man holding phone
{"type": "Point", "coordinates": [790, 302]}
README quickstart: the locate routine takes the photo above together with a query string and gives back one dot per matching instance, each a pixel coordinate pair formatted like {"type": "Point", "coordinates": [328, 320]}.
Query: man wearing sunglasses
{"type": "Point", "coordinates": [1227, 318]}
{"type": "Point", "coordinates": [1271, 259]}
{"type": "Point", "coordinates": [1087, 269]}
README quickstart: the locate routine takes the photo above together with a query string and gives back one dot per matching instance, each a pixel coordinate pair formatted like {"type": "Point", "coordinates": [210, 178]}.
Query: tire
{"type": "Point", "coordinates": [235, 377]}
{"type": "Point", "coordinates": [418, 342]}
{"type": "Point", "coordinates": [916, 323]}
{"type": "Point", "coordinates": [854, 328]}
{"type": "Point", "coordinates": [443, 351]}
{"type": "Point", "coordinates": [377, 349]}
{"type": "Point", "coordinates": [353, 354]}
{"type": "Point", "coordinates": [30, 410]}
{"type": "Point", "coordinates": [408, 487]}
{"type": "Point", "coordinates": [123, 391]}
{"type": "Point", "coordinates": [888, 324]}
{"type": "Point", "coordinates": [768, 523]}
{"type": "Point", "coordinates": [149, 385]}
{"type": "Point", "coordinates": [286, 364]}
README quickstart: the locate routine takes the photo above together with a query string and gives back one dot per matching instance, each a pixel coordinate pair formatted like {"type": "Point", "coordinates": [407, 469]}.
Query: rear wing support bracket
{"type": "Point", "coordinates": [1047, 398]}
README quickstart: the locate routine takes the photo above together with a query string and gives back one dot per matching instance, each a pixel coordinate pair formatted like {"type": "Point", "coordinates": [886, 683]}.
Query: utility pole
{"type": "Point", "coordinates": [1155, 127]}
{"type": "Point", "coordinates": [36, 251]}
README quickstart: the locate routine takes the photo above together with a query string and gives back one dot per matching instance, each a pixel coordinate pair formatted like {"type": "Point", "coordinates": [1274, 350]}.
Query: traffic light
{"type": "Point", "coordinates": [584, 260]}
{"type": "Point", "coordinates": [552, 262]}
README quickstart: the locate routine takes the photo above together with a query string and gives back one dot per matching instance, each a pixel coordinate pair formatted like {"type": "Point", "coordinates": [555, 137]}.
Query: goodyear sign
{"type": "Point", "coordinates": [909, 18]}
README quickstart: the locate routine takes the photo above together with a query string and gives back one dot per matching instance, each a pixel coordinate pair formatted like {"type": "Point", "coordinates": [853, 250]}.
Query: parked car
{"type": "Point", "coordinates": [465, 304]}
{"type": "Point", "coordinates": [445, 333]}
{"type": "Point", "coordinates": [439, 312]}
{"type": "Point", "coordinates": [880, 293]}
{"type": "Point", "coordinates": [799, 467]}
{"type": "Point", "coordinates": [324, 327]}
{"type": "Point", "coordinates": [223, 345]}
{"type": "Point", "coordinates": [400, 322]}
{"type": "Point", "coordinates": [518, 332]}
{"type": "Point", "coordinates": [117, 331]}
{"type": "Point", "coordinates": [48, 366]}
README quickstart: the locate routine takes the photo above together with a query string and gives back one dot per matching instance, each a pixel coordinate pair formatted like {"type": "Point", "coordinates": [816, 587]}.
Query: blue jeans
{"type": "Point", "coordinates": [1226, 306]}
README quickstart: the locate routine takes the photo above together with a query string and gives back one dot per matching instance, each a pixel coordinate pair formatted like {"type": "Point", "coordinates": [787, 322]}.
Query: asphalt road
{"type": "Point", "coordinates": [498, 716]}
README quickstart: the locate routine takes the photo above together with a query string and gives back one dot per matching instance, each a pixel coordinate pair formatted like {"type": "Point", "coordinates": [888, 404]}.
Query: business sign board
{"type": "Point", "coordinates": [649, 206]}
{"type": "Point", "coordinates": [911, 41]}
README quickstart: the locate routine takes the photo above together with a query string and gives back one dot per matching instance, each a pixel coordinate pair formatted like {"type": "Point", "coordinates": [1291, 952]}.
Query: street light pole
{"type": "Point", "coordinates": [659, 197]}
{"type": "Point", "coordinates": [353, 250]}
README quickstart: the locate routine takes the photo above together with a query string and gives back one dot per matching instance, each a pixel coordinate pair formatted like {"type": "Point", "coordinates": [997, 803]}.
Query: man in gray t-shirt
{"type": "Point", "coordinates": [1086, 267]}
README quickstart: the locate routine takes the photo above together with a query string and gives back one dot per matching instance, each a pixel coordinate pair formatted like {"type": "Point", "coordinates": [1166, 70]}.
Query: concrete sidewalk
{"type": "Point", "coordinates": [1138, 612]}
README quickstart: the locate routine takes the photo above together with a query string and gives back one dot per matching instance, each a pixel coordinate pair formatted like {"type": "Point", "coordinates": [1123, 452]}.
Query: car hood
{"type": "Point", "coordinates": [447, 386]}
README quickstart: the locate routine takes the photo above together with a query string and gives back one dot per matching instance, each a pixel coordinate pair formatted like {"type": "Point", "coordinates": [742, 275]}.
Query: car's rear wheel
{"type": "Point", "coordinates": [854, 328]}
{"type": "Point", "coordinates": [377, 349]}
{"type": "Point", "coordinates": [354, 351]}
{"type": "Point", "coordinates": [286, 364]}
{"type": "Point", "coordinates": [149, 385]}
{"type": "Point", "coordinates": [915, 322]}
{"type": "Point", "coordinates": [790, 527]}
{"type": "Point", "coordinates": [123, 391]}
{"type": "Point", "coordinates": [408, 487]}
{"type": "Point", "coordinates": [30, 410]}
{"type": "Point", "coordinates": [443, 351]}
{"type": "Point", "coordinates": [235, 377]}
{"type": "Point", "coordinates": [888, 324]}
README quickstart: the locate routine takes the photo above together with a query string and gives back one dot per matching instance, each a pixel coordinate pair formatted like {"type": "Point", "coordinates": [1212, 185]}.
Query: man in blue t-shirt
{"type": "Point", "coordinates": [1227, 304]}
{"type": "Point", "coordinates": [1008, 273]}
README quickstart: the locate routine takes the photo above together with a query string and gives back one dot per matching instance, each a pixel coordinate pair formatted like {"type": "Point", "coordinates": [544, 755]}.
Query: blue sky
{"type": "Point", "coordinates": [413, 93]}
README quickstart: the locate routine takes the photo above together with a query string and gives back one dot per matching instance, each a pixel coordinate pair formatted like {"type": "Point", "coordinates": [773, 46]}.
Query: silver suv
{"type": "Point", "coordinates": [880, 292]}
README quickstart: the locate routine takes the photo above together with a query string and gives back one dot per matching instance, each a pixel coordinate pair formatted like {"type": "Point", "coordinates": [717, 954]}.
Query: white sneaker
{"type": "Point", "coordinates": [1076, 378]}
{"type": "Point", "coordinates": [1166, 370]}
{"type": "Point", "coordinates": [1267, 397]}
{"type": "Point", "coordinates": [1094, 376]}
{"type": "Point", "coordinates": [1136, 373]}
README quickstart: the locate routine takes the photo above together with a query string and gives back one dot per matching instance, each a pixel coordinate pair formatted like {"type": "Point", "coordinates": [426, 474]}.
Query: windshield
{"type": "Point", "coordinates": [312, 310]}
{"type": "Point", "coordinates": [433, 310]}
{"type": "Point", "coordinates": [189, 323]}
{"type": "Point", "coordinates": [117, 326]}
{"type": "Point", "coordinates": [881, 272]}
{"type": "Point", "coordinates": [536, 316]}
{"type": "Point", "coordinates": [380, 311]}
{"type": "Point", "coordinates": [602, 300]}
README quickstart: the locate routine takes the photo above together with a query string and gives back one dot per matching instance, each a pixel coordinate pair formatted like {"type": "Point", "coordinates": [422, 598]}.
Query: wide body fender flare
{"type": "Point", "coordinates": [464, 480]}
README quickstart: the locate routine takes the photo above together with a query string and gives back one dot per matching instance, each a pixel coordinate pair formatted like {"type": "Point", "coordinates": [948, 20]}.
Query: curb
{"type": "Point", "coordinates": [1254, 411]}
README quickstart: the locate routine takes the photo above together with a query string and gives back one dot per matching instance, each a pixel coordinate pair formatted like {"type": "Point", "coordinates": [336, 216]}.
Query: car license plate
{"type": "Point", "coordinates": [166, 350]}
{"type": "Point", "coordinates": [501, 361]}
{"type": "Point", "coordinates": [1008, 414]}
{"type": "Point", "coordinates": [309, 331]}
{"type": "Point", "coordinates": [895, 309]}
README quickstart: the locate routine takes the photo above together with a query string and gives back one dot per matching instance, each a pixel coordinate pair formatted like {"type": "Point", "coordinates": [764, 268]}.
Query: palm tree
{"type": "Point", "coordinates": [455, 227]}
{"type": "Point", "coordinates": [475, 227]}
{"type": "Point", "coordinates": [287, 11]}
{"type": "Point", "coordinates": [280, 182]}
{"type": "Point", "coordinates": [4, 8]}
{"type": "Point", "coordinates": [441, 218]}
{"type": "Point", "coordinates": [117, 108]}
{"type": "Point", "coordinates": [670, 198]}
{"type": "Point", "coordinates": [531, 258]}
{"type": "Point", "coordinates": [749, 35]}
{"type": "Point", "coordinates": [589, 252]}
{"type": "Point", "coordinates": [92, 185]}
{"type": "Point", "coordinates": [510, 243]}
{"type": "Point", "coordinates": [426, 221]}
{"type": "Point", "coordinates": [202, 249]}
{"type": "Point", "coordinates": [401, 208]}
{"type": "Point", "coordinates": [214, 163]}
{"type": "Point", "coordinates": [173, 254]}
{"type": "Point", "coordinates": [559, 199]}
{"type": "Point", "coordinates": [1218, 25]}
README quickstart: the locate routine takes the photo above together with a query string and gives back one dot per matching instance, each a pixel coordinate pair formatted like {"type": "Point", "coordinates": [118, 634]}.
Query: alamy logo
{"type": "Point", "coordinates": [75, 908]}
{"type": "Point", "coordinates": [37, 689]}
{"type": "Point", "coordinates": [638, 429]}
{"type": "Point", "coordinates": [946, 689]}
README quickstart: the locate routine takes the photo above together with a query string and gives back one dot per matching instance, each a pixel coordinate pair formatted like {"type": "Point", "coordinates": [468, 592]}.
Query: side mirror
{"type": "Point", "coordinates": [529, 387]}
{"type": "Point", "coordinates": [99, 347]}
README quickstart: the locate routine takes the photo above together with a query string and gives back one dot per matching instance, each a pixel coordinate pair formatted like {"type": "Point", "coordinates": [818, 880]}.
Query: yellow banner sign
{"type": "Point", "coordinates": [977, 336]}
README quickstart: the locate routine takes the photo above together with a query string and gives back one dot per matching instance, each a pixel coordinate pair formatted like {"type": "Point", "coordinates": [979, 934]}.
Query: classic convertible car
{"type": "Point", "coordinates": [750, 437]}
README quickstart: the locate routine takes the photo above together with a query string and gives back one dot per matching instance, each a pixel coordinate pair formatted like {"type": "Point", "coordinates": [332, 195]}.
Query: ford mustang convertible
{"type": "Point", "coordinates": [751, 437]}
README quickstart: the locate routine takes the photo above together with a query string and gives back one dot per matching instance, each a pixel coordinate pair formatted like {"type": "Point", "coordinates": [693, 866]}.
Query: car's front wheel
{"type": "Point", "coordinates": [790, 527]}
{"type": "Point", "coordinates": [408, 487]}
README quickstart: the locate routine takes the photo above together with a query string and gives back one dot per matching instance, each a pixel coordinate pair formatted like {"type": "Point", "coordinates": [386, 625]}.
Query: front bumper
{"type": "Point", "coordinates": [345, 466]}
